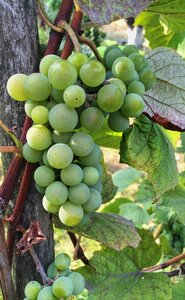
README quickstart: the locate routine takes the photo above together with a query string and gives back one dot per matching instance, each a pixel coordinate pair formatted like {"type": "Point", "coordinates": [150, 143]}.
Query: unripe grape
{"type": "Point", "coordinates": [32, 290]}
{"type": "Point", "coordinates": [40, 114]}
{"type": "Point", "coordinates": [57, 95]}
{"type": "Point", "coordinates": [133, 105]}
{"type": "Point", "coordinates": [110, 98]}
{"type": "Point", "coordinates": [91, 175]}
{"type": "Point", "coordinates": [93, 158]}
{"type": "Point", "coordinates": [39, 137]}
{"type": "Point", "coordinates": [119, 83]}
{"type": "Point", "coordinates": [117, 122]}
{"type": "Point", "coordinates": [92, 118]}
{"type": "Point", "coordinates": [56, 193]}
{"type": "Point", "coordinates": [43, 176]}
{"type": "Point", "coordinates": [62, 287]}
{"type": "Point", "coordinates": [50, 207]}
{"type": "Point", "coordinates": [147, 77]}
{"type": "Point", "coordinates": [129, 49]}
{"type": "Point", "coordinates": [30, 104]}
{"type": "Point", "coordinates": [136, 87]}
{"type": "Point", "coordinates": [81, 143]}
{"type": "Point", "coordinates": [71, 214]}
{"type": "Point", "coordinates": [112, 56]}
{"type": "Point", "coordinates": [72, 175]}
{"type": "Point", "coordinates": [15, 87]}
{"type": "Point", "coordinates": [78, 59]}
{"type": "Point", "coordinates": [46, 62]}
{"type": "Point", "coordinates": [52, 271]}
{"type": "Point", "coordinates": [37, 87]}
{"type": "Point", "coordinates": [79, 194]}
{"type": "Point", "coordinates": [60, 156]}
{"type": "Point", "coordinates": [78, 282]}
{"type": "Point", "coordinates": [30, 154]}
{"type": "Point", "coordinates": [61, 137]}
{"type": "Point", "coordinates": [62, 261]}
{"type": "Point", "coordinates": [74, 96]}
{"type": "Point", "coordinates": [123, 68]}
{"type": "Point", "coordinates": [92, 73]}
{"type": "Point", "coordinates": [94, 201]}
{"type": "Point", "coordinates": [46, 294]}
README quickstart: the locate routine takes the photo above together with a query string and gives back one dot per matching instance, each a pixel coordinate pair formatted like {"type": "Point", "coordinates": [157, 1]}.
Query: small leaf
{"type": "Point", "coordinates": [125, 177]}
{"type": "Point", "coordinates": [103, 11]}
{"type": "Point", "coordinates": [145, 147]}
{"type": "Point", "coordinates": [165, 103]}
{"type": "Point", "coordinates": [138, 215]}
{"type": "Point", "coordinates": [110, 230]}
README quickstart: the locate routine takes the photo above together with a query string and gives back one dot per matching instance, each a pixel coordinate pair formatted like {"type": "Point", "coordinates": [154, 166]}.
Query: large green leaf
{"type": "Point", "coordinates": [178, 290]}
{"type": "Point", "coordinates": [145, 147]}
{"type": "Point", "coordinates": [110, 230]}
{"type": "Point", "coordinates": [116, 275]}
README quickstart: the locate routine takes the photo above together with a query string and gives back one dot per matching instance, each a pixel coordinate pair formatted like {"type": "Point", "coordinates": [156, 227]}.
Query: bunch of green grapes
{"type": "Point", "coordinates": [174, 231]}
{"type": "Point", "coordinates": [66, 284]}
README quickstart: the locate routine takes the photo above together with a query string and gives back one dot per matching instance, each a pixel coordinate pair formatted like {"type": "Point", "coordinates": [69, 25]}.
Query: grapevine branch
{"type": "Point", "coordinates": [79, 253]}
{"type": "Point", "coordinates": [11, 134]}
{"type": "Point", "coordinates": [10, 149]}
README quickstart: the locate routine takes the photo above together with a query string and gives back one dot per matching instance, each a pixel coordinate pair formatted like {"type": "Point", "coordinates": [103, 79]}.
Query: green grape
{"type": "Point", "coordinates": [147, 77]}
{"type": "Point", "coordinates": [45, 160]}
{"type": "Point", "coordinates": [134, 77]}
{"type": "Point", "coordinates": [50, 207]}
{"type": "Point", "coordinates": [37, 87]}
{"type": "Point", "coordinates": [81, 144]}
{"type": "Point", "coordinates": [136, 87]}
{"type": "Point", "coordinates": [139, 61]}
{"type": "Point", "coordinates": [56, 193]}
{"type": "Point", "coordinates": [57, 95]}
{"type": "Point", "coordinates": [15, 87]}
{"type": "Point", "coordinates": [72, 175]}
{"type": "Point", "coordinates": [64, 272]}
{"type": "Point", "coordinates": [99, 168]}
{"type": "Point", "coordinates": [74, 96]}
{"type": "Point", "coordinates": [93, 158]}
{"type": "Point", "coordinates": [60, 156]}
{"type": "Point", "coordinates": [46, 294]}
{"type": "Point", "coordinates": [119, 83]}
{"type": "Point", "coordinates": [40, 114]}
{"type": "Point", "coordinates": [91, 175]}
{"type": "Point", "coordinates": [92, 118]}
{"type": "Point", "coordinates": [39, 137]}
{"type": "Point", "coordinates": [95, 104]}
{"type": "Point", "coordinates": [32, 289]}
{"type": "Point", "coordinates": [123, 68]}
{"type": "Point", "coordinates": [30, 104]}
{"type": "Point", "coordinates": [43, 176]}
{"type": "Point", "coordinates": [63, 118]}
{"type": "Point", "coordinates": [117, 122]}
{"type": "Point", "coordinates": [98, 186]}
{"type": "Point", "coordinates": [62, 74]}
{"type": "Point", "coordinates": [108, 49]}
{"type": "Point", "coordinates": [78, 59]}
{"type": "Point", "coordinates": [52, 271]}
{"type": "Point", "coordinates": [51, 104]}
{"type": "Point", "coordinates": [133, 105]}
{"type": "Point", "coordinates": [61, 137]}
{"type": "Point", "coordinates": [62, 261]}
{"type": "Point", "coordinates": [46, 62]}
{"type": "Point", "coordinates": [129, 49]}
{"type": "Point", "coordinates": [30, 154]}
{"type": "Point", "coordinates": [78, 282]}
{"type": "Point", "coordinates": [110, 98]}
{"type": "Point", "coordinates": [92, 73]}
{"type": "Point", "coordinates": [79, 194]}
{"type": "Point", "coordinates": [94, 201]}
{"type": "Point", "coordinates": [112, 55]}
{"type": "Point", "coordinates": [40, 189]}
{"type": "Point", "coordinates": [71, 214]}
{"type": "Point", "coordinates": [63, 287]}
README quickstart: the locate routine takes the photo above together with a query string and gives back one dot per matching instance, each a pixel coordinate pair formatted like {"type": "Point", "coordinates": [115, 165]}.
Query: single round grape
{"type": "Point", "coordinates": [110, 98]}
{"type": "Point", "coordinates": [129, 49]}
{"type": "Point", "coordinates": [79, 194]}
{"type": "Point", "coordinates": [62, 287]}
{"type": "Point", "coordinates": [46, 294]}
{"type": "Point", "coordinates": [60, 156]}
{"type": "Point", "coordinates": [119, 83]}
{"type": "Point", "coordinates": [147, 77]}
{"type": "Point", "coordinates": [123, 68]}
{"type": "Point", "coordinates": [30, 104]}
{"type": "Point", "coordinates": [138, 60]}
{"type": "Point", "coordinates": [108, 49]}
{"type": "Point", "coordinates": [81, 144]}
{"type": "Point", "coordinates": [112, 56]}
{"type": "Point", "coordinates": [98, 186]}
{"type": "Point", "coordinates": [15, 87]}
{"type": "Point", "coordinates": [92, 118]}
{"type": "Point", "coordinates": [62, 74]}
{"type": "Point", "coordinates": [72, 175]}
{"type": "Point", "coordinates": [56, 193]}
{"type": "Point", "coordinates": [62, 261]}
{"type": "Point", "coordinates": [45, 160]}
{"type": "Point", "coordinates": [133, 105]}
{"type": "Point", "coordinates": [74, 96]}
{"type": "Point", "coordinates": [78, 282]}
{"type": "Point", "coordinates": [92, 73]}
{"type": "Point", "coordinates": [91, 175]}
{"type": "Point", "coordinates": [51, 104]}
{"type": "Point", "coordinates": [93, 158]}
{"type": "Point", "coordinates": [134, 77]}
{"type": "Point", "coordinates": [43, 176]}
{"type": "Point", "coordinates": [40, 189]}
{"type": "Point", "coordinates": [78, 59]}
{"type": "Point", "coordinates": [61, 137]}
{"type": "Point", "coordinates": [37, 87]}
{"type": "Point", "coordinates": [32, 289]}
{"type": "Point", "coordinates": [46, 62]}
{"type": "Point", "coordinates": [39, 137]}
{"type": "Point", "coordinates": [117, 122]}
{"type": "Point", "coordinates": [94, 201]}
{"type": "Point", "coordinates": [50, 207]}
{"type": "Point", "coordinates": [136, 87]}
{"type": "Point", "coordinates": [30, 154]}
{"type": "Point", "coordinates": [63, 118]}
{"type": "Point", "coordinates": [57, 95]}
{"type": "Point", "coordinates": [71, 214]}
{"type": "Point", "coordinates": [52, 271]}
{"type": "Point", "coordinates": [40, 114]}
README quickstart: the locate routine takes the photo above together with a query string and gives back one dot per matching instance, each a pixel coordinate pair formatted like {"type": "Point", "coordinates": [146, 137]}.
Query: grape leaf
{"type": "Point", "coordinates": [110, 230]}
{"type": "Point", "coordinates": [113, 207]}
{"type": "Point", "coordinates": [125, 177]}
{"type": "Point", "coordinates": [135, 213]}
{"type": "Point", "coordinates": [103, 11]}
{"type": "Point", "coordinates": [116, 275]}
{"type": "Point", "coordinates": [165, 103]}
{"type": "Point", "coordinates": [178, 290]}
{"type": "Point", "coordinates": [146, 147]}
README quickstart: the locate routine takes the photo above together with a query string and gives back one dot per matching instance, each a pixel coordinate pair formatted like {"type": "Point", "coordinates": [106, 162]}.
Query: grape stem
{"type": "Point", "coordinates": [79, 253]}
{"type": "Point", "coordinates": [92, 46]}
{"type": "Point", "coordinates": [10, 149]}
{"type": "Point", "coordinates": [11, 134]}
{"type": "Point", "coordinates": [178, 272]}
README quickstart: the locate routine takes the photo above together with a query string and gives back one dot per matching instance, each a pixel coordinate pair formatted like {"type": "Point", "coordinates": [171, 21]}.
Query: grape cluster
{"type": "Point", "coordinates": [57, 101]}
{"type": "Point", "coordinates": [66, 284]}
